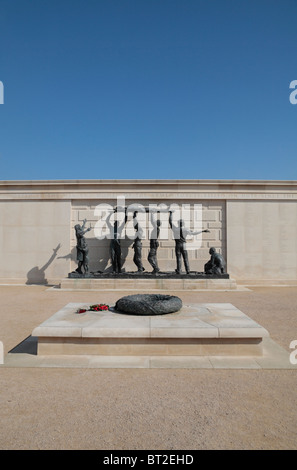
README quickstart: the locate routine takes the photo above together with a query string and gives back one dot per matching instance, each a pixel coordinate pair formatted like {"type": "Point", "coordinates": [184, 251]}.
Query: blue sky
{"type": "Point", "coordinates": [148, 89]}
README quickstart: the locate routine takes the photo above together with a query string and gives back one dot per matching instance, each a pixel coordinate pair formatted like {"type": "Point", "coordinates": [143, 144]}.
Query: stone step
{"type": "Point", "coordinates": [147, 284]}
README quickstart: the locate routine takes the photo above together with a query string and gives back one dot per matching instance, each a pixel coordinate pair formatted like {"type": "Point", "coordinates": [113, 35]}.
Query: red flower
{"type": "Point", "coordinates": [98, 307]}
{"type": "Point", "coordinates": [81, 310]}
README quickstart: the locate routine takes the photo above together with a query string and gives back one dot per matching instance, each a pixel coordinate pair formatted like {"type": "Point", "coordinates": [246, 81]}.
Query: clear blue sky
{"type": "Point", "coordinates": [165, 89]}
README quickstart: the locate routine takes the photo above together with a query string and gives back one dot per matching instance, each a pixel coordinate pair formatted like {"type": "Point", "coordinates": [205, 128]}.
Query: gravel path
{"type": "Point", "coordinates": [151, 409]}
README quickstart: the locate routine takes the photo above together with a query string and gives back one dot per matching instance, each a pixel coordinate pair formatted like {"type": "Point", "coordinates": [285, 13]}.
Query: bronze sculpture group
{"type": "Point", "coordinates": [215, 266]}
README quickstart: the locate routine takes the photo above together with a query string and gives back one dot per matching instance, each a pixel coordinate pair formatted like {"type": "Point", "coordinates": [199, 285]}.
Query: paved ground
{"type": "Point", "coordinates": [153, 409]}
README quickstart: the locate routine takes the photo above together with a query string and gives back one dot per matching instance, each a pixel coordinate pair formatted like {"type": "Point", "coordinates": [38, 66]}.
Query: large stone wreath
{"type": "Point", "coordinates": [148, 304]}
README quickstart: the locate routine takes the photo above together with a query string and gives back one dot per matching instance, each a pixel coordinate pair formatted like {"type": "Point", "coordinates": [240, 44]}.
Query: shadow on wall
{"type": "Point", "coordinates": [99, 263]}
{"type": "Point", "coordinates": [99, 255]}
{"type": "Point", "coordinates": [36, 275]}
{"type": "Point", "coordinates": [103, 262]}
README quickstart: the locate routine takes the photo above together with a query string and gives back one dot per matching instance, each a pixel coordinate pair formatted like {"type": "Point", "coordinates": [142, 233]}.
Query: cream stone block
{"type": "Point", "coordinates": [58, 331]}
{"type": "Point", "coordinates": [244, 332]}
{"type": "Point", "coordinates": [147, 347]}
{"type": "Point", "coordinates": [210, 215]}
{"type": "Point", "coordinates": [87, 214]}
{"type": "Point", "coordinates": [214, 234]}
{"type": "Point", "coordinates": [214, 225]}
{"type": "Point", "coordinates": [184, 332]}
{"type": "Point", "coordinates": [36, 239]}
{"type": "Point", "coordinates": [112, 326]}
{"type": "Point", "coordinates": [181, 326]}
{"type": "Point", "coordinates": [257, 238]}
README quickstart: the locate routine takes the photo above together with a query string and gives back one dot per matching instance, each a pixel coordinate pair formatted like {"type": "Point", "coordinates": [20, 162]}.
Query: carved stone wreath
{"type": "Point", "coordinates": [148, 304]}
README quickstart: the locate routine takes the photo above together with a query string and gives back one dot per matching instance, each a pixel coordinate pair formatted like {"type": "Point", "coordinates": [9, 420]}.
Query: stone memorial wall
{"type": "Point", "coordinates": [253, 224]}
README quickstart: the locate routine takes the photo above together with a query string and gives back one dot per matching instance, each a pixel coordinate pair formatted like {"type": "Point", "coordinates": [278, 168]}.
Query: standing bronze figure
{"type": "Point", "coordinates": [137, 245]}
{"type": "Point", "coordinates": [82, 249]}
{"type": "Point", "coordinates": [115, 243]}
{"type": "Point", "coordinates": [180, 233]}
{"type": "Point", "coordinates": [154, 244]}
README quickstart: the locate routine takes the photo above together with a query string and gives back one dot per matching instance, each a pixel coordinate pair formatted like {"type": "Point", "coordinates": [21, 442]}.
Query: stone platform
{"type": "Point", "coordinates": [147, 275]}
{"type": "Point", "coordinates": [147, 281]}
{"type": "Point", "coordinates": [212, 329]}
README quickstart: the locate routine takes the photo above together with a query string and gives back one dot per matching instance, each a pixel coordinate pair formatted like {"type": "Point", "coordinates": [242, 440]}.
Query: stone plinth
{"type": "Point", "coordinates": [148, 281]}
{"type": "Point", "coordinates": [217, 329]}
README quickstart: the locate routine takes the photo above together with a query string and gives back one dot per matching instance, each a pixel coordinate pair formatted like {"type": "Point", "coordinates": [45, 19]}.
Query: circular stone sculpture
{"type": "Point", "coordinates": [149, 304]}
